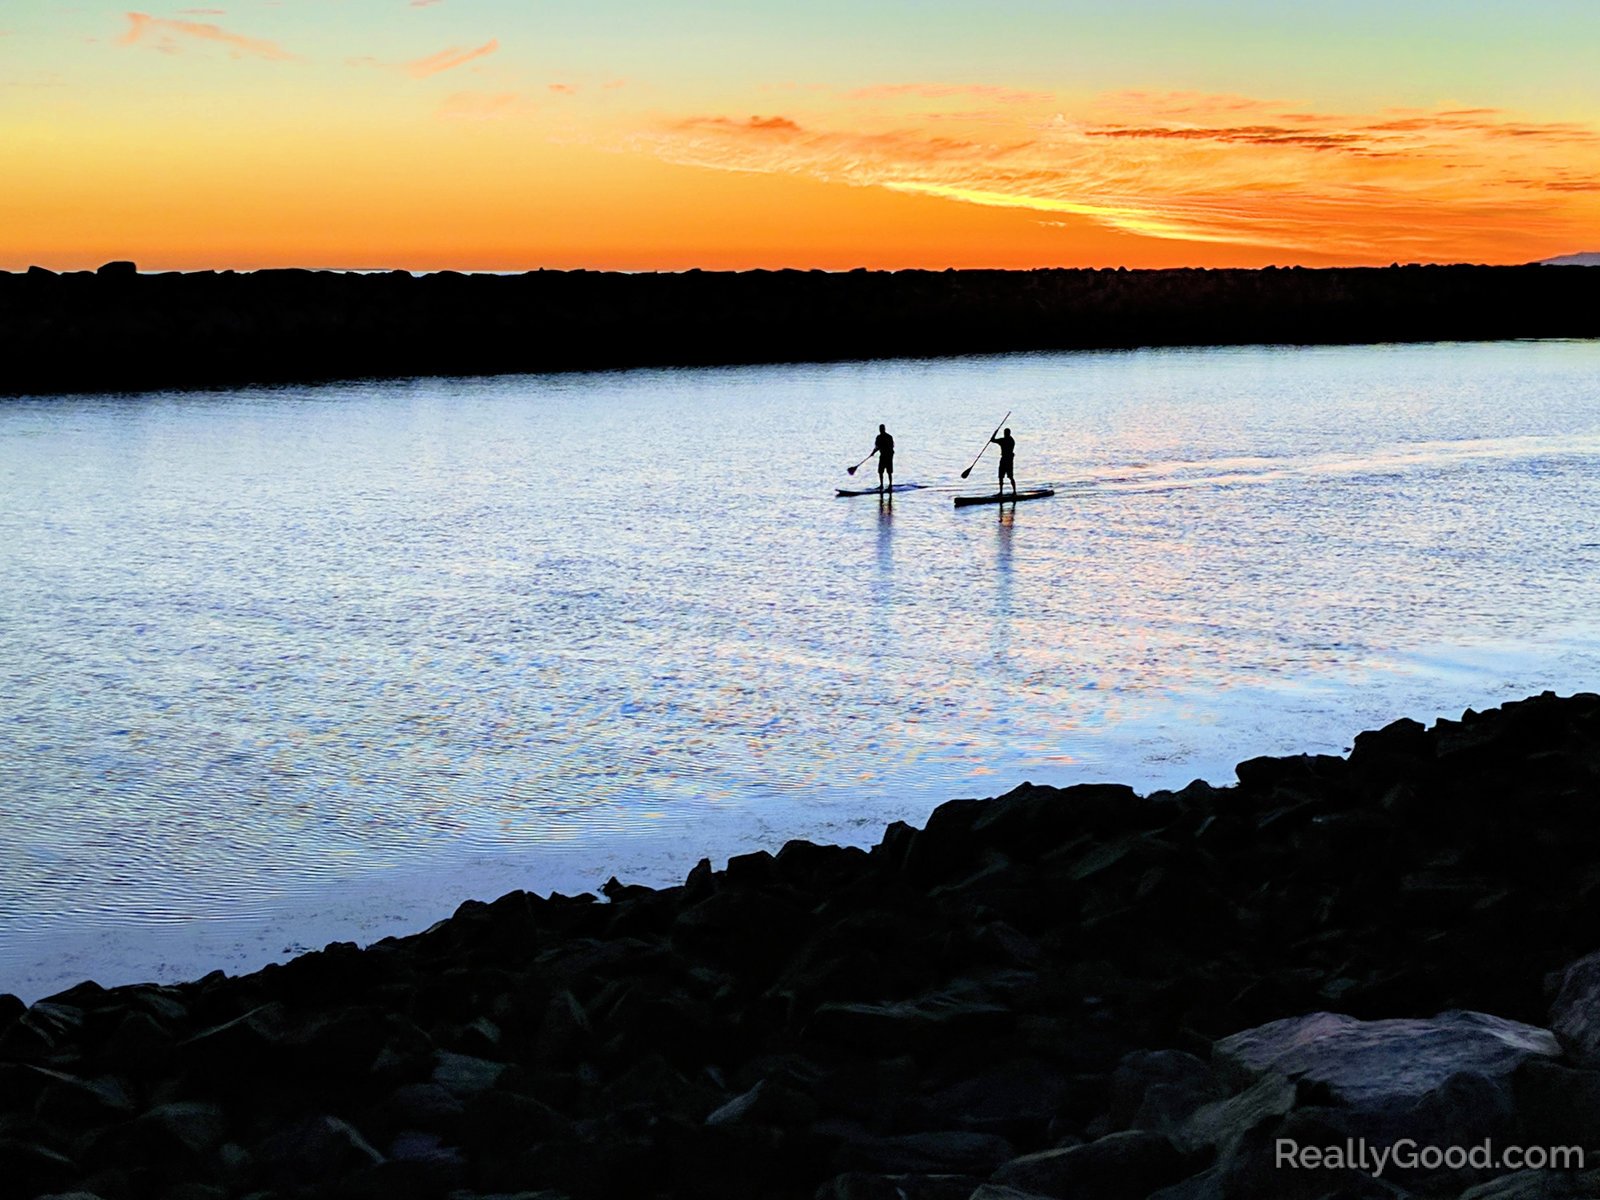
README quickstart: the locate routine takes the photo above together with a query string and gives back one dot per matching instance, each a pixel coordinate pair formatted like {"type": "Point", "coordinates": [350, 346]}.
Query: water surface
{"type": "Point", "coordinates": [288, 665]}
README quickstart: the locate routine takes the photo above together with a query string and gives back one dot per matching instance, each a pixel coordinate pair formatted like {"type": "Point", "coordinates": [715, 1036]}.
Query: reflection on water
{"type": "Point", "coordinates": [1002, 587]}
{"type": "Point", "coordinates": [882, 607]}
{"type": "Point", "coordinates": [269, 653]}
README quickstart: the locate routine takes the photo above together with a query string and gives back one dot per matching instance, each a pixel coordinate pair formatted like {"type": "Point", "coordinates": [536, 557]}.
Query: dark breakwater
{"type": "Point", "coordinates": [1028, 994]}
{"type": "Point", "coordinates": [117, 330]}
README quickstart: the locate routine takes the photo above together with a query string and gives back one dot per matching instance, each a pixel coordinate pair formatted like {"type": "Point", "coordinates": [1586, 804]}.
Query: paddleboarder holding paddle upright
{"type": "Point", "coordinates": [1008, 454]}
{"type": "Point", "coordinates": [883, 447]}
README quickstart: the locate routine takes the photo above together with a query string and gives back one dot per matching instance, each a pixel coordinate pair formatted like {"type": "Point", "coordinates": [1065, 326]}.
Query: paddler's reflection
{"type": "Point", "coordinates": [885, 533]}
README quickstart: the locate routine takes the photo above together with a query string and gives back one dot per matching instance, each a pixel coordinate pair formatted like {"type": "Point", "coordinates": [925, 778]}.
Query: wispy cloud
{"type": "Point", "coordinates": [1407, 183]}
{"type": "Point", "coordinates": [862, 148]}
{"type": "Point", "coordinates": [1258, 135]}
{"type": "Point", "coordinates": [162, 33]}
{"type": "Point", "coordinates": [449, 60]}
{"type": "Point", "coordinates": [762, 126]}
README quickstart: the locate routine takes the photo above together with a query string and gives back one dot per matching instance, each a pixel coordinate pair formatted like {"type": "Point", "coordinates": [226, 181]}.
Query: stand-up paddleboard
{"type": "Point", "coordinates": [1006, 497]}
{"type": "Point", "coordinates": [899, 487]}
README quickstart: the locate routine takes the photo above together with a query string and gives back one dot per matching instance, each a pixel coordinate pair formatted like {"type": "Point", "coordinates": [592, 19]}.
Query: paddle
{"type": "Point", "coordinates": [997, 429]}
{"type": "Point", "coordinates": [852, 470]}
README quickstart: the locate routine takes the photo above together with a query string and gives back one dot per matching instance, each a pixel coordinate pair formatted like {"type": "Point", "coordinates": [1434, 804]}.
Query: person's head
{"type": "Point", "coordinates": [1008, 431]}
{"type": "Point", "coordinates": [881, 429]}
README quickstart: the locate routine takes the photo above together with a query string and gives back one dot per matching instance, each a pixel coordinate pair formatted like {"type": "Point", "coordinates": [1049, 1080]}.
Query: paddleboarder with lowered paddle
{"type": "Point", "coordinates": [883, 447]}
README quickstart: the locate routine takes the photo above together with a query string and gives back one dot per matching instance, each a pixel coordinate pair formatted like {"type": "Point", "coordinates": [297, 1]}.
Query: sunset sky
{"type": "Point", "coordinates": [516, 134]}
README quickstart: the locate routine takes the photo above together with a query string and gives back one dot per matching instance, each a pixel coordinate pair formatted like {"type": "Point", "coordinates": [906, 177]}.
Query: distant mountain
{"type": "Point", "coordinates": [1589, 258]}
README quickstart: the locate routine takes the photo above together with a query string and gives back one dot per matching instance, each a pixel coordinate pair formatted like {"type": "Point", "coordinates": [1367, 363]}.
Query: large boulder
{"type": "Point", "coordinates": [1388, 1064]}
{"type": "Point", "coordinates": [1336, 1092]}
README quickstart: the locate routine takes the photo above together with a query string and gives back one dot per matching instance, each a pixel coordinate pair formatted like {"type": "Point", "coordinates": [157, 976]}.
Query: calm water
{"type": "Point", "coordinates": [284, 666]}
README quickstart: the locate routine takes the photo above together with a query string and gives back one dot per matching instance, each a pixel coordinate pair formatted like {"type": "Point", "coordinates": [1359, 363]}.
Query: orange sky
{"type": "Point", "coordinates": [446, 135]}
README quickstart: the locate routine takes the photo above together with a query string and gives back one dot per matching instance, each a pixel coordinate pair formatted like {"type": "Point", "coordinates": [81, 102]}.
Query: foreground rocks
{"type": "Point", "coordinates": [1079, 992]}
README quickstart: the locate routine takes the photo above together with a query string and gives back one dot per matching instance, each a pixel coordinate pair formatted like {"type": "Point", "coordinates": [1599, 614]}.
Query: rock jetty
{"type": "Point", "coordinates": [118, 329]}
{"type": "Point", "coordinates": [1055, 993]}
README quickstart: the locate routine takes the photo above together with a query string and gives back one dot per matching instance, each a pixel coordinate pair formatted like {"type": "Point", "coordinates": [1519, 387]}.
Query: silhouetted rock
{"type": "Point", "coordinates": [858, 1185]}
{"type": "Point", "coordinates": [46, 1029]}
{"type": "Point", "coordinates": [314, 1150]}
{"type": "Point", "coordinates": [248, 1044]}
{"type": "Point", "coordinates": [461, 1075]}
{"type": "Point", "coordinates": [1120, 1166]}
{"type": "Point", "coordinates": [769, 1102]}
{"type": "Point", "coordinates": [1538, 1185]}
{"type": "Point", "coordinates": [33, 1169]}
{"type": "Point", "coordinates": [1557, 1103]}
{"type": "Point", "coordinates": [936, 1152]}
{"type": "Point", "coordinates": [1160, 1090]}
{"type": "Point", "coordinates": [1017, 1099]}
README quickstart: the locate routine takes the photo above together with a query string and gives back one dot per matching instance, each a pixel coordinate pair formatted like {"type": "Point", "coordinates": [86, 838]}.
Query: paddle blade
{"type": "Point", "coordinates": [849, 470]}
{"type": "Point", "coordinates": [967, 472]}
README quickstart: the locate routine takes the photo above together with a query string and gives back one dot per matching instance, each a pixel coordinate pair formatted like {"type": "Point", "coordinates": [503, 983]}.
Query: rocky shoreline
{"type": "Point", "coordinates": [1055, 993]}
{"type": "Point", "coordinates": [120, 330]}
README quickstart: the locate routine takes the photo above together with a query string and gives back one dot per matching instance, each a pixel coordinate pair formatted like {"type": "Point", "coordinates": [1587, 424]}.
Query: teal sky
{"type": "Point", "coordinates": [1539, 55]}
